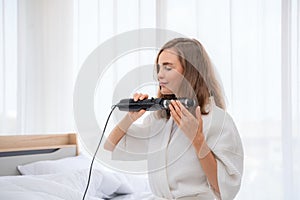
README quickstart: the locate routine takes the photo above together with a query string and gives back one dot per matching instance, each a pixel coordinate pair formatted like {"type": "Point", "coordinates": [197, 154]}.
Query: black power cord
{"type": "Point", "coordinates": [91, 166]}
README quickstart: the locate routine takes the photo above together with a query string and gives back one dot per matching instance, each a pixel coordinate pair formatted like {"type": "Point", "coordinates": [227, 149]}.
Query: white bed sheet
{"type": "Point", "coordinates": [34, 187]}
{"type": "Point", "coordinates": [103, 185]}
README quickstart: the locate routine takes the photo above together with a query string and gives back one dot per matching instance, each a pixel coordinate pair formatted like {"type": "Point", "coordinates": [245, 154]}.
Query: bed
{"type": "Point", "coordinates": [51, 167]}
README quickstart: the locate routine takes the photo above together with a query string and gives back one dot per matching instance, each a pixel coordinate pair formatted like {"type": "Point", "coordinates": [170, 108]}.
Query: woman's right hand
{"type": "Point", "coordinates": [135, 115]}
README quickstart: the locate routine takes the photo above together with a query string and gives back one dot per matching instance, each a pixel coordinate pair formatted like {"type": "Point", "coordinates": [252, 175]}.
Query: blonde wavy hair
{"type": "Point", "coordinates": [198, 72]}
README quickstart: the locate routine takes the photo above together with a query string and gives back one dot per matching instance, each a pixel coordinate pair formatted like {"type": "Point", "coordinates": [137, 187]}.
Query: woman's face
{"type": "Point", "coordinates": [170, 72]}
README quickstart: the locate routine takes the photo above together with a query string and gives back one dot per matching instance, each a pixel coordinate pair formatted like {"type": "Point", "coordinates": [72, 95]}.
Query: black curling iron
{"type": "Point", "coordinates": [152, 104]}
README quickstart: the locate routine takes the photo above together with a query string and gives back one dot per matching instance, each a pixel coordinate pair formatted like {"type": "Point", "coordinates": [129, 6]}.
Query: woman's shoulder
{"type": "Point", "coordinates": [224, 131]}
{"type": "Point", "coordinates": [221, 116]}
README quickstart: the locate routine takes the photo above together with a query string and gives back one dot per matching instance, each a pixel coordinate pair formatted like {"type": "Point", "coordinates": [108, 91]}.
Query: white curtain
{"type": "Point", "coordinates": [254, 44]}
{"type": "Point", "coordinates": [36, 66]}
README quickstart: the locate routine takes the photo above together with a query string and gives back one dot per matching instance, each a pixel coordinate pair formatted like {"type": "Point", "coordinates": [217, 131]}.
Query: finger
{"type": "Point", "coordinates": [143, 96]}
{"type": "Point", "coordinates": [183, 109]}
{"type": "Point", "coordinates": [186, 115]}
{"type": "Point", "coordinates": [174, 114]}
{"type": "Point", "coordinates": [176, 107]}
{"type": "Point", "coordinates": [176, 119]}
{"type": "Point", "coordinates": [136, 96]}
{"type": "Point", "coordinates": [198, 113]}
{"type": "Point", "coordinates": [141, 112]}
{"type": "Point", "coordinates": [199, 118]}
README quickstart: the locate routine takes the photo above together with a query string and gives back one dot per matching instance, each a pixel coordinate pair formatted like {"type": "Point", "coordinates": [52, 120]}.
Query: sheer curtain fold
{"type": "Point", "coordinates": [46, 37]}
{"type": "Point", "coordinates": [286, 107]}
{"type": "Point", "coordinates": [254, 45]}
{"type": "Point", "coordinates": [8, 65]}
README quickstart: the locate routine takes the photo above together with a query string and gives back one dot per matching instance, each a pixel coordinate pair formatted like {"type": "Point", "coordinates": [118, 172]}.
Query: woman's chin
{"type": "Point", "coordinates": [166, 92]}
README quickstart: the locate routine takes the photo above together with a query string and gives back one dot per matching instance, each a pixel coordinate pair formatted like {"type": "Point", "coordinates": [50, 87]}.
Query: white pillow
{"type": "Point", "coordinates": [111, 182]}
{"type": "Point", "coordinates": [63, 165]}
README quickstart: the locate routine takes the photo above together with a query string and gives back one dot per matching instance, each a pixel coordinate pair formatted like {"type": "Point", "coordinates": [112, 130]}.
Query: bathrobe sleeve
{"type": "Point", "coordinates": [226, 145]}
{"type": "Point", "coordinates": [134, 144]}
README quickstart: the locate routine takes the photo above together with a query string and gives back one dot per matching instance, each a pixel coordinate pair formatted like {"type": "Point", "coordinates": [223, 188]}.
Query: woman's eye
{"type": "Point", "coordinates": [168, 68]}
{"type": "Point", "coordinates": [164, 67]}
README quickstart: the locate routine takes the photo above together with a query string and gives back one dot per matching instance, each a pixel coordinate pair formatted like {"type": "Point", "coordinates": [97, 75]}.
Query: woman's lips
{"type": "Point", "coordinates": [162, 84]}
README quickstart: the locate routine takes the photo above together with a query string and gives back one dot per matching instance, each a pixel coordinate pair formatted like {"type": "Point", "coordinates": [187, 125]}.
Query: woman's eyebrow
{"type": "Point", "coordinates": [167, 63]}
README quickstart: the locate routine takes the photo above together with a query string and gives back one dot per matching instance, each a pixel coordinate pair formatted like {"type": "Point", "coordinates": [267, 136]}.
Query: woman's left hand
{"type": "Point", "coordinates": [190, 125]}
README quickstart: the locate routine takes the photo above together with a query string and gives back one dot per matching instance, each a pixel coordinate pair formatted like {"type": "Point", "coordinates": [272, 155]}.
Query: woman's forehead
{"type": "Point", "coordinates": [168, 56]}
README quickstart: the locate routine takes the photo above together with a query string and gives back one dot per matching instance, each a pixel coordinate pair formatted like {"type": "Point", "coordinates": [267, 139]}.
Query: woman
{"type": "Point", "coordinates": [192, 153]}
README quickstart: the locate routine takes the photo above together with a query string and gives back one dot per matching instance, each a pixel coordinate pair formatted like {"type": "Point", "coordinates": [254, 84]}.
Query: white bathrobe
{"type": "Point", "coordinates": [174, 169]}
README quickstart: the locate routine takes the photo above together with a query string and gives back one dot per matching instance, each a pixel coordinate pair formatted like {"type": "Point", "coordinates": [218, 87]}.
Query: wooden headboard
{"type": "Point", "coordinates": [23, 149]}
